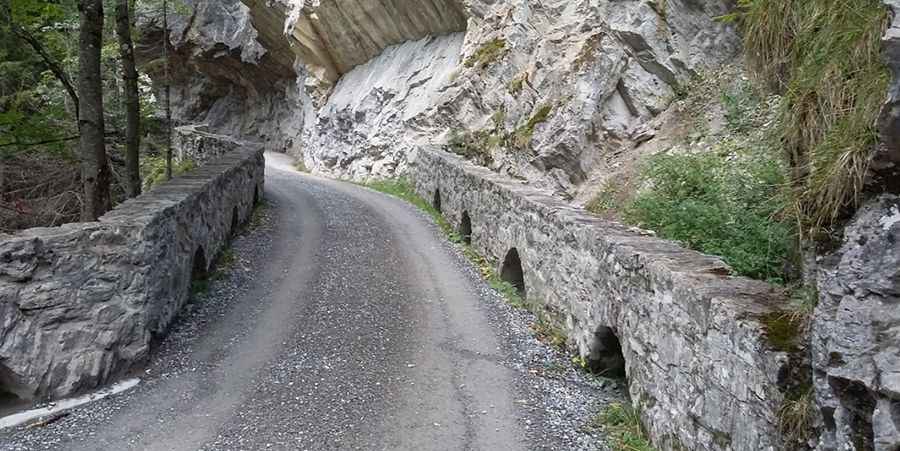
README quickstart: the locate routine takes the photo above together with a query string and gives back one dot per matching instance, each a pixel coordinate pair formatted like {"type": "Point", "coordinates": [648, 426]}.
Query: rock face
{"type": "Point", "coordinates": [856, 333]}
{"type": "Point", "coordinates": [222, 76]}
{"type": "Point", "coordinates": [80, 303]}
{"type": "Point", "coordinates": [547, 88]}
{"type": "Point", "coordinates": [694, 340]}
{"type": "Point", "coordinates": [331, 37]}
{"type": "Point", "coordinates": [367, 126]}
{"type": "Point", "coordinates": [887, 161]}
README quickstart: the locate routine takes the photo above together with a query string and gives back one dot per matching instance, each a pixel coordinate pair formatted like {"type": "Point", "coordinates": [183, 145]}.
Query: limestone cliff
{"type": "Point", "coordinates": [544, 90]}
{"type": "Point", "coordinates": [223, 74]}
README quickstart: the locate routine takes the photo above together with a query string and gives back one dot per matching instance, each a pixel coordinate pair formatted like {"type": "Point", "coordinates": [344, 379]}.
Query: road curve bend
{"type": "Point", "coordinates": [347, 324]}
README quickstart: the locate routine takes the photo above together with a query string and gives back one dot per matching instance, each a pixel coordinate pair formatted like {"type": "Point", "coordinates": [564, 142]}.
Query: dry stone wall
{"type": "Point", "coordinates": [80, 303]}
{"type": "Point", "coordinates": [695, 347]}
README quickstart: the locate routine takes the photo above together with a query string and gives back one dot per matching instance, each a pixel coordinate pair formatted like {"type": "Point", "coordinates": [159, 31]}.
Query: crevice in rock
{"type": "Point", "coordinates": [465, 228]}
{"type": "Point", "coordinates": [199, 267]}
{"type": "Point", "coordinates": [511, 271]}
{"type": "Point", "coordinates": [235, 221]}
{"type": "Point", "coordinates": [606, 356]}
{"type": "Point", "coordinates": [10, 393]}
{"type": "Point", "coordinates": [256, 195]}
{"type": "Point", "coordinates": [858, 405]}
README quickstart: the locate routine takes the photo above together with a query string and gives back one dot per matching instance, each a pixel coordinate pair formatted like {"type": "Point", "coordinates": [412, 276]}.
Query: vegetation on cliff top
{"type": "Point", "coordinates": [825, 57]}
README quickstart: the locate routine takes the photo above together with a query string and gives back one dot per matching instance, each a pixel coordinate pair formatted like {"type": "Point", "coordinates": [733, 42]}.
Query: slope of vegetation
{"type": "Point", "coordinates": [791, 158]}
{"type": "Point", "coordinates": [825, 57]}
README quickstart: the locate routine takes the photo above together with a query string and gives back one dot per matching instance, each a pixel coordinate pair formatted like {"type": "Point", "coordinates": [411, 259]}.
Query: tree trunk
{"type": "Point", "coordinates": [51, 63]}
{"type": "Point", "coordinates": [132, 101]}
{"type": "Point", "coordinates": [95, 172]}
{"type": "Point", "coordinates": [168, 81]}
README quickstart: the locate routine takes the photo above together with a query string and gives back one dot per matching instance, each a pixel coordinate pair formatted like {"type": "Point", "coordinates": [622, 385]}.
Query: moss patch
{"type": "Point", "coordinates": [521, 138]}
{"type": "Point", "coordinates": [516, 85]}
{"type": "Point", "coordinates": [487, 54]}
{"type": "Point", "coordinates": [784, 331]}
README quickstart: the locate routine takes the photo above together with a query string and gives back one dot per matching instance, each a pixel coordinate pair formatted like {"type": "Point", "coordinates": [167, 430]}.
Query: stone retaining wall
{"type": "Point", "coordinates": [79, 303]}
{"type": "Point", "coordinates": [195, 143]}
{"type": "Point", "coordinates": [696, 352]}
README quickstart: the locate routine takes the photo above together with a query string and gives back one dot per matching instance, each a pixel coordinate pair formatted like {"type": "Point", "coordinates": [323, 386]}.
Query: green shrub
{"type": "Point", "coordinates": [740, 101]}
{"type": "Point", "coordinates": [721, 204]}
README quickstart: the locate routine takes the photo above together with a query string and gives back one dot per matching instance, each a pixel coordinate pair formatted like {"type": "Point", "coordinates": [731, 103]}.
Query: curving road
{"type": "Point", "coordinates": [347, 324]}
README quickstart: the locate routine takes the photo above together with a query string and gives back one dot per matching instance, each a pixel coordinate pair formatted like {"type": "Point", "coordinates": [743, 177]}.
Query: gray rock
{"type": "Point", "coordinates": [80, 303]}
{"type": "Point", "coordinates": [855, 336]}
{"type": "Point", "coordinates": [887, 160]}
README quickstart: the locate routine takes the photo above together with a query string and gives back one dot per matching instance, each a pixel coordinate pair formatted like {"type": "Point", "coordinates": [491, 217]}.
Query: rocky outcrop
{"type": "Point", "coordinates": [331, 37]}
{"type": "Point", "coordinates": [543, 90]}
{"type": "Point", "coordinates": [856, 333]}
{"type": "Point", "coordinates": [80, 303]}
{"type": "Point", "coordinates": [222, 75]}
{"type": "Point", "coordinates": [379, 112]}
{"type": "Point", "coordinates": [887, 161]}
{"type": "Point", "coordinates": [702, 358]}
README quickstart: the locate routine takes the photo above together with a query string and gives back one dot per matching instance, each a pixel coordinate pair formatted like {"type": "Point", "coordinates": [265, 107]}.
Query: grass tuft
{"type": "Point", "coordinates": [522, 136]}
{"type": "Point", "coordinates": [622, 424]}
{"type": "Point", "coordinates": [402, 188]}
{"type": "Point", "coordinates": [796, 415]}
{"type": "Point", "coordinates": [825, 56]}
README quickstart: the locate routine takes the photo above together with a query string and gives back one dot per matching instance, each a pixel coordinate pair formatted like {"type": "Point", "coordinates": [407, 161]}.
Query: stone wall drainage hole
{"type": "Point", "coordinates": [436, 203]}
{"type": "Point", "coordinates": [606, 356]}
{"type": "Point", "coordinates": [511, 271]}
{"type": "Point", "coordinates": [465, 228]}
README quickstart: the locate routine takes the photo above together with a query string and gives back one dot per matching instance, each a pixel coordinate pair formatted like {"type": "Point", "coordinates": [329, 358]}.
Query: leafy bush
{"type": "Point", "coordinates": [718, 203]}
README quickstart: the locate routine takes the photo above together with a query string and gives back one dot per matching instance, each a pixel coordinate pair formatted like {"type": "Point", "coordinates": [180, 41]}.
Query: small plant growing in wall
{"type": "Point", "coordinates": [487, 54]}
{"type": "Point", "coordinates": [516, 85]}
{"type": "Point", "coordinates": [521, 138]}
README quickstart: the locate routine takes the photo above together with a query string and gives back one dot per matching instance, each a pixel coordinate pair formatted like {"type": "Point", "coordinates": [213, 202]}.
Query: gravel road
{"type": "Point", "coordinates": [346, 321]}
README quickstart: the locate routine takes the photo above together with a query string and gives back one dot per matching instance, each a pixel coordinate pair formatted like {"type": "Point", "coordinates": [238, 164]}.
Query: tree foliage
{"type": "Point", "coordinates": [38, 115]}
